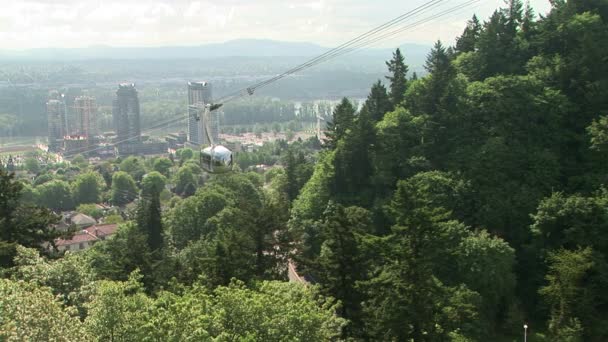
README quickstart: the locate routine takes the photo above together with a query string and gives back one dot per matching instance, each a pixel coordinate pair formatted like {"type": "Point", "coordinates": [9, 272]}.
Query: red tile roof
{"type": "Point", "coordinates": [89, 234]}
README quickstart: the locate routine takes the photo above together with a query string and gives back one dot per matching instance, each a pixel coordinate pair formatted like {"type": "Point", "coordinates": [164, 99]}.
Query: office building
{"type": "Point", "coordinates": [125, 114]}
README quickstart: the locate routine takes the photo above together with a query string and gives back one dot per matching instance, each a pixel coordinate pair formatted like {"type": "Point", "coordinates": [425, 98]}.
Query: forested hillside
{"type": "Point", "coordinates": [458, 206]}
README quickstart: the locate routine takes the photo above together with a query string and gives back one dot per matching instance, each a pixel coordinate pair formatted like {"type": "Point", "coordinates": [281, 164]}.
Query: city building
{"type": "Point", "coordinates": [153, 147]}
{"type": "Point", "coordinates": [86, 117]}
{"type": "Point", "coordinates": [57, 120]}
{"type": "Point", "coordinates": [125, 114]}
{"type": "Point", "coordinates": [75, 144]}
{"type": "Point", "coordinates": [55, 111]}
{"type": "Point", "coordinates": [177, 140]}
{"type": "Point", "coordinates": [200, 94]}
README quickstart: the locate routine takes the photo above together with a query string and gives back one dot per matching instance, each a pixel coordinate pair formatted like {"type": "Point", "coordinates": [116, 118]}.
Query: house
{"type": "Point", "coordinates": [86, 238]}
{"type": "Point", "coordinates": [82, 220]}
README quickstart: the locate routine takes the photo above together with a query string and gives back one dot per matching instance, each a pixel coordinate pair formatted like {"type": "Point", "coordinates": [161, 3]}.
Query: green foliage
{"type": "Point", "coordinates": [572, 221]}
{"type": "Point", "coordinates": [31, 313]}
{"type": "Point", "coordinates": [566, 293]}
{"type": "Point", "coordinates": [486, 265]}
{"type": "Point", "coordinates": [338, 267]}
{"type": "Point", "coordinates": [599, 134]}
{"type": "Point", "coordinates": [32, 165]}
{"type": "Point", "coordinates": [87, 188]}
{"type": "Point", "coordinates": [153, 184]}
{"type": "Point", "coordinates": [185, 179]}
{"type": "Point", "coordinates": [467, 42]}
{"type": "Point", "coordinates": [69, 278]}
{"type": "Point", "coordinates": [90, 210]}
{"type": "Point", "coordinates": [118, 311]}
{"type": "Point", "coordinates": [398, 78]}
{"type": "Point", "coordinates": [149, 221]}
{"type": "Point", "coordinates": [269, 311]}
{"type": "Point", "coordinates": [124, 189]}
{"type": "Point", "coordinates": [114, 218]}
{"type": "Point", "coordinates": [43, 178]}
{"type": "Point", "coordinates": [123, 253]}
{"type": "Point", "coordinates": [55, 194]}
{"type": "Point", "coordinates": [163, 165]}
{"type": "Point", "coordinates": [184, 154]}
{"type": "Point", "coordinates": [188, 221]}
{"type": "Point", "coordinates": [453, 207]}
{"type": "Point", "coordinates": [378, 102]}
{"type": "Point", "coordinates": [134, 167]}
{"type": "Point", "coordinates": [79, 160]}
{"type": "Point", "coordinates": [569, 230]}
{"type": "Point", "coordinates": [21, 224]}
{"type": "Point", "coordinates": [343, 120]}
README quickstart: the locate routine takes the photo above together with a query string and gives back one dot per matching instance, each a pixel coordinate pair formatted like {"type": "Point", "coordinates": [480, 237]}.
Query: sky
{"type": "Point", "coordinates": [26, 24]}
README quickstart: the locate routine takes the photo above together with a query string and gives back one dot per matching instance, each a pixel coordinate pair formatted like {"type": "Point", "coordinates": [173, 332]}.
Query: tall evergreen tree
{"type": "Point", "coordinates": [528, 21]}
{"type": "Point", "coordinates": [290, 172]}
{"type": "Point", "coordinates": [467, 42]}
{"type": "Point", "coordinates": [353, 165]}
{"type": "Point", "coordinates": [378, 102]}
{"type": "Point", "coordinates": [339, 267]}
{"type": "Point", "coordinates": [343, 120]}
{"type": "Point", "coordinates": [149, 221]}
{"type": "Point", "coordinates": [398, 77]}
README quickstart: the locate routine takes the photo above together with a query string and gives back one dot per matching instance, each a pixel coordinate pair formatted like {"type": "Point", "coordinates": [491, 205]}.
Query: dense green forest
{"type": "Point", "coordinates": [457, 206]}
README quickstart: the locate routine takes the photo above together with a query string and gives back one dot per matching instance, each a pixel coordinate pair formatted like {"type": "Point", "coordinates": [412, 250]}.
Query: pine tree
{"type": "Point", "coordinates": [378, 102]}
{"type": "Point", "coordinates": [290, 172]}
{"type": "Point", "coordinates": [439, 65]}
{"type": "Point", "coordinates": [149, 221]}
{"type": "Point", "coordinates": [398, 78]}
{"type": "Point", "coordinates": [352, 163]}
{"type": "Point", "coordinates": [343, 120]}
{"type": "Point", "coordinates": [528, 24]}
{"type": "Point", "coordinates": [438, 62]}
{"type": "Point", "coordinates": [339, 265]}
{"type": "Point", "coordinates": [467, 42]}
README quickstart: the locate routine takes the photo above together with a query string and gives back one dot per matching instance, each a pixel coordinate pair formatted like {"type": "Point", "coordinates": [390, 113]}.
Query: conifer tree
{"type": "Point", "coordinates": [149, 221]}
{"type": "Point", "coordinates": [290, 172]}
{"type": "Point", "coordinates": [378, 102]}
{"type": "Point", "coordinates": [467, 42]}
{"type": "Point", "coordinates": [339, 265]}
{"type": "Point", "coordinates": [398, 77]}
{"type": "Point", "coordinates": [343, 120]}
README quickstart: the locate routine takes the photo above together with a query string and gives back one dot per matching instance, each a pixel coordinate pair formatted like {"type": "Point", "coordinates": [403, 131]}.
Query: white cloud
{"type": "Point", "coordinates": [77, 23]}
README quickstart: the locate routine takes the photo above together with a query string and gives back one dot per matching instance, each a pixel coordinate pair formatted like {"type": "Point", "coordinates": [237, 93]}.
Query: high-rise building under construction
{"type": "Point", "coordinates": [85, 108]}
{"type": "Point", "coordinates": [56, 118]}
{"type": "Point", "coordinates": [199, 95]}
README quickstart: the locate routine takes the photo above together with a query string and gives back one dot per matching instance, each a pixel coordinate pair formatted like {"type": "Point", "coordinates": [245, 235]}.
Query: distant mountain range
{"type": "Point", "coordinates": [233, 48]}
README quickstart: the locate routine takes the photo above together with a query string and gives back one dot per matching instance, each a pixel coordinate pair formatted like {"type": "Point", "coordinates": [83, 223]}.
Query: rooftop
{"type": "Point", "coordinates": [92, 233]}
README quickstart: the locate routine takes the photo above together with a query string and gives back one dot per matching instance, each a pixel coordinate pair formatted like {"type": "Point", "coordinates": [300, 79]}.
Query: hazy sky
{"type": "Point", "coordinates": [80, 23]}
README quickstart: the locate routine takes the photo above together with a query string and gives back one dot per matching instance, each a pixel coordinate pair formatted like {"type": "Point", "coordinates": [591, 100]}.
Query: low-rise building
{"type": "Point", "coordinates": [86, 238]}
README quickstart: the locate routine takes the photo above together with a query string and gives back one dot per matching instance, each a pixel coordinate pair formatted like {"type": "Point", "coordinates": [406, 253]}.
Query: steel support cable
{"type": "Point", "coordinates": [348, 47]}
{"type": "Point", "coordinates": [416, 24]}
{"type": "Point", "coordinates": [389, 24]}
{"type": "Point", "coordinates": [361, 43]}
{"type": "Point", "coordinates": [345, 46]}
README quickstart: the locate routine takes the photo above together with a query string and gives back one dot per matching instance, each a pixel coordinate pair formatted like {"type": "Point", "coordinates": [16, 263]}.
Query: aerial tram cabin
{"type": "Point", "coordinates": [214, 158]}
